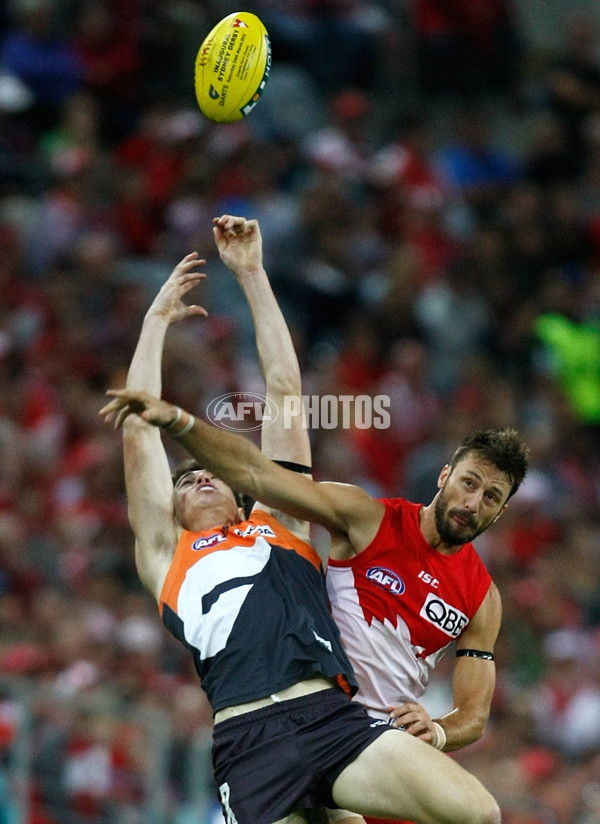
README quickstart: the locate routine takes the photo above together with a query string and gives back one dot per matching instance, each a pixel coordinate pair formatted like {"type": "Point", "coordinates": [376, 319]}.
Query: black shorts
{"type": "Point", "coordinates": [286, 757]}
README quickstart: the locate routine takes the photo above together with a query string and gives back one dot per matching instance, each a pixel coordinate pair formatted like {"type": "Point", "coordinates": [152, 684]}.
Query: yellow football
{"type": "Point", "coordinates": [232, 67]}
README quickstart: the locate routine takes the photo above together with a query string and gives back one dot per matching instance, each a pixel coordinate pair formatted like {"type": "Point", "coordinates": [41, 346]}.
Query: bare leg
{"type": "Point", "coordinates": [399, 776]}
{"type": "Point", "coordinates": [325, 815]}
{"type": "Point", "coordinates": [344, 817]}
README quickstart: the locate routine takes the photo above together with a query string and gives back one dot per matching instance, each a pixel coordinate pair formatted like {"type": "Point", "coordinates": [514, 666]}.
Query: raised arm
{"type": "Point", "coordinates": [147, 471]}
{"type": "Point", "coordinates": [240, 246]}
{"type": "Point", "coordinates": [233, 458]}
{"type": "Point", "coordinates": [239, 243]}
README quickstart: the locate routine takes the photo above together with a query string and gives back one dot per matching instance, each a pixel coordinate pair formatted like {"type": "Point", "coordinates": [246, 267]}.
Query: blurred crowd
{"type": "Point", "coordinates": [427, 184]}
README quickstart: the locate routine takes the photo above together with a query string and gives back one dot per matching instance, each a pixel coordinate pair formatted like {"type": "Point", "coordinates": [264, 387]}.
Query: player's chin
{"type": "Point", "coordinates": [463, 533]}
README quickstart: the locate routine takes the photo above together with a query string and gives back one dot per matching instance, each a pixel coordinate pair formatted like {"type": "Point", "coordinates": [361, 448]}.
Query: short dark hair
{"type": "Point", "coordinates": [505, 448]}
{"type": "Point", "coordinates": [192, 465]}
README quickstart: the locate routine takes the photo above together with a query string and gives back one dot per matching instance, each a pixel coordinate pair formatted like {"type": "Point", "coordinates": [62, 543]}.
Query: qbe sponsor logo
{"type": "Point", "coordinates": [444, 616]}
{"type": "Point", "coordinates": [250, 411]}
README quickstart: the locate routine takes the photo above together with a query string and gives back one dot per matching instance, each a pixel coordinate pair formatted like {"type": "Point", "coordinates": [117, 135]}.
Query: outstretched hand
{"type": "Point", "coordinates": [127, 402]}
{"type": "Point", "coordinates": [239, 243]}
{"type": "Point", "coordinates": [168, 303]}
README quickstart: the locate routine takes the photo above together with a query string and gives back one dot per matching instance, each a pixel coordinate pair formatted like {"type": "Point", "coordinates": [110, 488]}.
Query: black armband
{"type": "Point", "coordinates": [248, 501]}
{"type": "Point", "coordinates": [295, 467]}
{"type": "Point", "coordinates": [475, 653]}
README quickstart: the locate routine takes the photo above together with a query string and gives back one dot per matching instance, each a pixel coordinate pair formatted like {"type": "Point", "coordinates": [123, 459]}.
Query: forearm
{"type": "Point", "coordinates": [462, 727]}
{"type": "Point", "coordinates": [235, 459]}
{"type": "Point", "coordinates": [146, 464]}
{"type": "Point", "coordinates": [145, 370]}
{"type": "Point", "coordinates": [239, 243]}
{"type": "Point", "coordinates": [276, 353]}
{"type": "Point", "coordinates": [231, 457]}
{"type": "Point", "coordinates": [147, 471]}
{"type": "Point", "coordinates": [285, 438]}
{"type": "Point", "coordinates": [474, 681]}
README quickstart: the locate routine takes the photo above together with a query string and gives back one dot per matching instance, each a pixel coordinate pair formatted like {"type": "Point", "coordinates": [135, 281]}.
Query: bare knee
{"type": "Point", "coordinates": [488, 812]}
{"type": "Point", "coordinates": [478, 807]}
{"type": "Point", "coordinates": [494, 814]}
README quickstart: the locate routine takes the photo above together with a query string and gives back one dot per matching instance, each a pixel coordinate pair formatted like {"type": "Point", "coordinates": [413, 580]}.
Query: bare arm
{"type": "Point", "coordinates": [473, 686]}
{"type": "Point", "coordinates": [474, 678]}
{"type": "Point", "coordinates": [240, 246]}
{"type": "Point", "coordinates": [234, 459]}
{"type": "Point", "coordinates": [147, 471]}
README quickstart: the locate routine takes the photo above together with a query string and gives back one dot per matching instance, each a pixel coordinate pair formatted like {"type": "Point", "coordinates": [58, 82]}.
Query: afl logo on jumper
{"type": "Point", "coordinates": [449, 619]}
{"type": "Point", "coordinates": [211, 540]}
{"type": "Point", "coordinates": [386, 579]}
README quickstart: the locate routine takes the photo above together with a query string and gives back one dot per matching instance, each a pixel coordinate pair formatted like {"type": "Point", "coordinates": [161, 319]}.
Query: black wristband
{"type": "Point", "coordinates": [475, 653]}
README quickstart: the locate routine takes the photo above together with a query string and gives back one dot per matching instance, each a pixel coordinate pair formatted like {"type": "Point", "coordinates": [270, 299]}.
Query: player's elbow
{"type": "Point", "coordinates": [472, 729]}
{"type": "Point", "coordinates": [477, 727]}
{"type": "Point", "coordinates": [282, 376]}
{"type": "Point", "coordinates": [284, 382]}
{"type": "Point", "coordinates": [481, 720]}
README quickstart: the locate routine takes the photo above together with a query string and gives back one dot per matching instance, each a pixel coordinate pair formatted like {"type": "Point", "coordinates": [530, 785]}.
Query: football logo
{"type": "Point", "coordinates": [386, 579]}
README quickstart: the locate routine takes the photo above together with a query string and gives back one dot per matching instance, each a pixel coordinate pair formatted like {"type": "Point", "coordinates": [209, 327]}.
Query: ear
{"type": "Point", "coordinates": [443, 476]}
{"type": "Point", "coordinates": [500, 513]}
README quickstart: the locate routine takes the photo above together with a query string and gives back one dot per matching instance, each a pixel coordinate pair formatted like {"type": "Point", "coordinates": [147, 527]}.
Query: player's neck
{"type": "Point", "coordinates": [208, 519]}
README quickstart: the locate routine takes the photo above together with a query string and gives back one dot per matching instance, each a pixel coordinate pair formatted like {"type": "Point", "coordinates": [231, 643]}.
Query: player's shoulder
{"type": "Point", "coordinates": [493, 596]}
{"type": "Point", "coordinates": [397, 503]}
{"type": "Point", "coordinates": [401, 509]}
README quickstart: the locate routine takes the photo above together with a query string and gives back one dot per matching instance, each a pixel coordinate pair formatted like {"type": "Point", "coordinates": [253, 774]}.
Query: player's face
{"type": "Point", "coordinates": [471, 497]}
{"type": "Point", "coordinates": [201, 489]}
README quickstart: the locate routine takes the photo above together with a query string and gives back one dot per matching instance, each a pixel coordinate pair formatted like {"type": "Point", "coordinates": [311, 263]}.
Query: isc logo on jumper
{"type": "Point", "coordinates": [387, 579]}
{"type": "Point", "coordinates": [210, 540]}
{"type": "Point", "coordinates": [445, 617]}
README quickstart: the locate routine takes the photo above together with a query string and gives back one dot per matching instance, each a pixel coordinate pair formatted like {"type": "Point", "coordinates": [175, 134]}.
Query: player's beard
{"type": "Point", "coordinates": [452, 533]}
